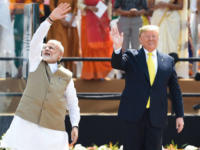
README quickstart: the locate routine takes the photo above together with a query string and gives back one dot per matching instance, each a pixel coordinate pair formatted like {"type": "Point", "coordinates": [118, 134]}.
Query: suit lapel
{"type": "Point", "coordinates": [160, 61]}
{"type": "Point", "coordinates": [141, 59]}
{"type": "Point", "coordinates": [142, 63]}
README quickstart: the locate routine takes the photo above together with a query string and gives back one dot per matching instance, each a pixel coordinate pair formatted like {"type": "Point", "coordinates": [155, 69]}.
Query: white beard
{"type": "Point", "coordinates": [46, 58]}
{"type": "Point", "coordinates": [50, 59]}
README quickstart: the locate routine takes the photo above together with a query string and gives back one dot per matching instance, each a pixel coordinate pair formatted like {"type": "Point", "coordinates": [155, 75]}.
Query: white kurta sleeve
{"type": "Point", "coordinates": [37, 44]}
{"type": "Point", "coordinates": [72, 104]}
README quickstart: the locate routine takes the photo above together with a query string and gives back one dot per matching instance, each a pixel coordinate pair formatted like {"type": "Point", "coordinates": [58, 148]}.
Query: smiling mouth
{"type": "Point", "coordinates": [47, 54]}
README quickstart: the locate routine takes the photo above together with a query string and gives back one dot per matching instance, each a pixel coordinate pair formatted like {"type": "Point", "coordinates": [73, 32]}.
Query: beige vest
{"type": "Point", "coordinates": [43, 100]}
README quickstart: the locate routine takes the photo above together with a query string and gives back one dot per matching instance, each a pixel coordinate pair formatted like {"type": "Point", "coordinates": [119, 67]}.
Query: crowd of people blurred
{"type": "Point", "coordinates": [85, 33]}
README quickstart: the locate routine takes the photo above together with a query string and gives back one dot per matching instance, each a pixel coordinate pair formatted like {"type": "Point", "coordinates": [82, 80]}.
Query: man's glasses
{"type": "Point", "coordinates": [49, 47]}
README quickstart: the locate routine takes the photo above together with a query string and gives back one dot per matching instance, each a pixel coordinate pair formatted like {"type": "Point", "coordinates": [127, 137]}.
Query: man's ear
{"type": "Point", "coordinates": [140, 40]}
{"type": "Point", "coordinates": [59, 58]}
{"type": "Point", "coordinates": [61, 54]}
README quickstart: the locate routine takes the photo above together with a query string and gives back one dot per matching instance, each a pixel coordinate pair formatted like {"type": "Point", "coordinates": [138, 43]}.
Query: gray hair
{"type": "Point", "coordinates": [148, 28]}
{"type": "Point", "coordinates": [58, 44]}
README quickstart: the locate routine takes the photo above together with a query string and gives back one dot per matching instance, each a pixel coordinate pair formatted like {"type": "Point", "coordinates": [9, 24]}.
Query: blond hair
{"type": "Point", "coordinates": [57, 44]}
{"type": "Point", "coordinates": [148, 28]}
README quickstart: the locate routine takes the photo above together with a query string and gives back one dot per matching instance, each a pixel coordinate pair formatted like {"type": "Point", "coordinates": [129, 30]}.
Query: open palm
{"type": "Point", "coordinates": [116, 37]}
{"type": "Point", "coordinates": [60, 11]}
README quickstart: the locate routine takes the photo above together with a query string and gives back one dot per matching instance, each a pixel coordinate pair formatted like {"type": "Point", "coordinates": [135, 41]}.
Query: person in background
{"type": "Point", "coordinates": [172, 18]}
{"type": "Point", "coordinates": [17, 11]}
{"type": "Point", "coordinates": [66, 31]}
{"type": "Point", "coordinates": [45, 10]}
{"type": "Point", "coordinates": [194, 6]}
{"type": "Point", "coordinates": [95, 40]}
{"type": "Point", "coordinates": [130, 21]}
{"type": "Point", "coordinates": [39, 121]}
{"type": "Point", "coordinates": [7, 44]}
{"type": "Point", "coordinates": [191, 50]}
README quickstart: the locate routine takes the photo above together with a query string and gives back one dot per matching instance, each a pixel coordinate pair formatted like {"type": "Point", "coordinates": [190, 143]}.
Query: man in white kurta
{"type": "Point", "coordinates": [25, 135]}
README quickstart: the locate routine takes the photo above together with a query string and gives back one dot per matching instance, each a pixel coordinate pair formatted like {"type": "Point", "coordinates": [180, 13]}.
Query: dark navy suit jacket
{"type": "Point", "coordinates": [138, 89]}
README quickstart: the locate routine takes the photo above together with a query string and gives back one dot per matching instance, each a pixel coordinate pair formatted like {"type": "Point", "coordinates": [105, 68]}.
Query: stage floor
{"type": "Point", "coordinates": [103, 129]}
{"type": "Point", "coordinates": [9, 104]}
{"type": "Point", "coordinates": [99, 124]}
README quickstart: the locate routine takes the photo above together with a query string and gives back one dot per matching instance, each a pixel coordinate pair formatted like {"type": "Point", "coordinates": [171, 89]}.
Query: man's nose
{"type": "Point", "coordinates": [151, 38]}
{"type": "Point", "coordinates": [48, 49]}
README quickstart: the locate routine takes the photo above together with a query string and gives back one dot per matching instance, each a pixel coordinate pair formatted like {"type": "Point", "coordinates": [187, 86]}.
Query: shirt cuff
{"type": "Point", "coordinates": [117, 51]}
{"type": "Point", "coordinates": [75, 124]}
{"type": "Point", "coordinates": [47, 23]}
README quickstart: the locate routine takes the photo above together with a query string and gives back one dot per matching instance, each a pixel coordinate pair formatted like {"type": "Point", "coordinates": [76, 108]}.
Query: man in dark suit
{"type": "Point", "coordinates": [143, 105]}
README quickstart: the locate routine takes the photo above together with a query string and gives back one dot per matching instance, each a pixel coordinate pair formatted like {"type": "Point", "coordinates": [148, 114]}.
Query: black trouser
{"type": "Point", "coordinates": [141, 135]}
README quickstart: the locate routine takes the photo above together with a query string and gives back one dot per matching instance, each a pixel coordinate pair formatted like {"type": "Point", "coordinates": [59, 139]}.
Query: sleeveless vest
{"type": "Point", "coordinates": [43, 100]}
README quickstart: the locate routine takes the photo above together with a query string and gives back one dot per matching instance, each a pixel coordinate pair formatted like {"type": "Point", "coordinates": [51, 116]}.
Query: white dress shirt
{"type": "Point", "coordinates": [25, 135]}
{"type": "Point", "coordinates": [154, 57]}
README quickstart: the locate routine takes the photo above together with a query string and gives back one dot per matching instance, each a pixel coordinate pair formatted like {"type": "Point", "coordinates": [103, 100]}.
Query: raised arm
{"type": "Point", "coordinates": [37, 44]}
{"type": "Point", "coordinates": [38, 37]}
{"type": "Point", "coordinates": [119, 59]}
